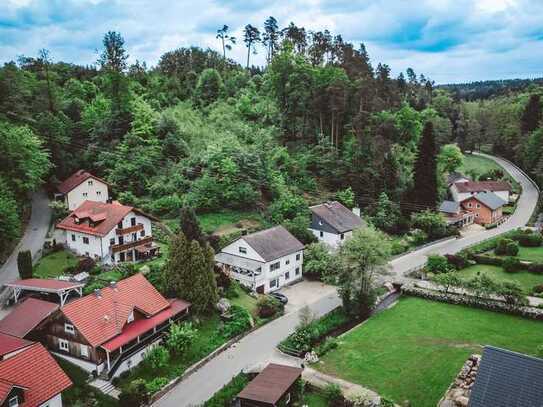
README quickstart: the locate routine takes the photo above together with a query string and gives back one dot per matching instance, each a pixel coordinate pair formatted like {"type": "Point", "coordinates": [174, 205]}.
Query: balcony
{"type": "Point", "coordinates": [131, 229]}
{"type": "Point", "coordinates": [130, 245]}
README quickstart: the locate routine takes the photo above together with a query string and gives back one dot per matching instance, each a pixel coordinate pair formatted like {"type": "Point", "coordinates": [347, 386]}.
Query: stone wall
{"type": "Point", "coordinates": [458, 393]}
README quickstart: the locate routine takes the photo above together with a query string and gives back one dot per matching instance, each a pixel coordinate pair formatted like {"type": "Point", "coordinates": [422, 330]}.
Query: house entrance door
{"type": "Point", "coordinates": [122, 256]}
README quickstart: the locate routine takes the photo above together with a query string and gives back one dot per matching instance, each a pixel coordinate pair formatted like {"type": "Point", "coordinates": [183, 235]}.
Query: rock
{"type": "Point", "coordinates": [447, 403]}
{"type": "Point", "coordinates": [462, 401]}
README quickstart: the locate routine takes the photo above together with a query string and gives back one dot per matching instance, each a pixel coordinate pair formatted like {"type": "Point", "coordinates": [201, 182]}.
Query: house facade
{"type": "Point", "coordinates": [111, 330]}
{"type": "Point", "coordinates": [333, 223]}
{"type": "Point", "coordinates": [486, 207]}
{"type": "Point", "coordinates": [463, 190]}
{"type": "Point", "coordinates": [455, 215]}
{"type": "Point", "coordinates": [80, 187]}
{"type": "Point", "coordinates": [263, 261]}
{"type": "Point", "coordinates": [31, 377]}
{"type": "Point", "coordinates": [109, 232]}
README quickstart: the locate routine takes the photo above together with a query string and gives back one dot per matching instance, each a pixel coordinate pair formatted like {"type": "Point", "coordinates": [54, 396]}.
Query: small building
{"type": "Point", "coordinates": [80, 187]}
{"type": "Point", "coordinates": [111, 330]}
{"type": "Point", "coordinates": [487, 207]}
{"type": "Point", "coordinates": [455, 215]}
{"type": "Point", "coordinates": [24, 320]}
{"type": "Point", "coordinates": [109, 232]}
{"type": "Point", "coordinates": [332, 223]}
{"type": "Point", "coordinates": [30, 377]}
{"type": "Point", "coordinates": [274, 386]}
{"type": "Point", "coordinates": [49, 287]}
{"type": "Point", "coordinates": [454, 177]}
{"type": "Point", "coordinates": [463, 190]}
{"type": "Point", "coordinates": [263, 261]}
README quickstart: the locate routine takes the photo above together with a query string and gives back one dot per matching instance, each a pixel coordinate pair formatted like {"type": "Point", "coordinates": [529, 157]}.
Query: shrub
{"type": "Point", "coordinates": [511, 265]}
{"type": "Point", "coordinates": [432, 223]}
{"type": "Point", "coordinates": [501, 246]}
{"type": "Point", "coordinates": [418, 237]}
{"type": "Point", "coordinates": [399, 246]}
{"type": "Point", "coordinates": [232, 291]}
{"type": "Point", "coordinates": [156, 384]}
{"type": "Point", "coordinates": [85, 265]}
{"type": "Point", "coordinates": [527, 238]}
{"type": "Point", "coordinates": [332, 394]}
{"type": "Point", "coordinates": [166, 205]}
{"type": "Point", "coordinates": [224, 397]}
{"type": "Point", "coordinates": [135, 394]}
{"type": "Point", "coordinates": [268, 306]}
{"type": "Point", "coordinates": [511, 292]}
{"type": "Point", "coordinates": [536, 268]}
{"type": "Point", "coordinates": [438, 264]}
{"type": "Point", "coordinates": [538, 289]}
{"type": "Point", "coordinates": [158, 357]}
{"type": "Point", "coordinates": [318, 261]}
{"type": "Point", "coordinates": [512, 249]}
{"type": "Point", "coordinates": [24, 264]}
{"type": "Point", "coordinates": [329, 343]}
{"type": "Point", "coordinates": [240, 321]}
{"type": "Point", "coordinates": [458, 261]}
{"type": "Point", "coordinates": [180, 337]}
{"type": "Point", "coordinates": [490, 260]}
{"type": "Point", "coordinates": [447, 281]}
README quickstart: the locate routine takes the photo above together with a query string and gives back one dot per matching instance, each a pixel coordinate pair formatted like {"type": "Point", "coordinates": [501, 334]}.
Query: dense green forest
{"type": "Point", "coordinates": [198, 129]}
{"type": "Point", "coordinates": [487, 89]}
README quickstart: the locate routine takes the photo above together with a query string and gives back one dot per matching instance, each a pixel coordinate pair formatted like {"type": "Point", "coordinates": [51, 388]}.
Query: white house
{"type": "Point", "coordinates": [332, 223]}
{"type": "Point", "coordinates": [109, 232]}
{"type": "Point", "coordinates": [264, 261]}
{"type": "Point", "coordinates": [466, 189]}
{"type": "Point", "coordinates": [80, 187]}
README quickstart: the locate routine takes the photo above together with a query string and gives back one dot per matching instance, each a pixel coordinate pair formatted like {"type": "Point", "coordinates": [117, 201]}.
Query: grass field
{"type": "Point", "coordinates": [526, 279]}
{"type": "Point", "coordinates": [246, 301]}
{"type": "Point", "coordinates": [414, 350]}
{"type": "Point", "coordinates": [477, 164]}
{"type": "Point", "coordinates": [534, 254]}
{"type": "Point", "coordinates": [53, 264]}
{"type": "Point", "coordinates": [224, 221]}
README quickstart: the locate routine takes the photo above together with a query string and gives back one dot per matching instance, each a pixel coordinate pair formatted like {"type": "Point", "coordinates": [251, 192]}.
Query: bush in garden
{"type": "Point", "coordinates": [511, 291]}
{"type": "Point", "coordinates": [418, 237]}
{"type": "Point", "coordinates": [512, 249]}
{"type": "Point", "coordinates": [432, 223]}
{"type": "Point", "coordinates": [447, 281]}
{"type": "Point", "coordinates": [233, 290]}
{"type": "Point", "coordinates": [511, 265]}
{"type": "Point", "coordinates": [166, 205]}
{"type": "Point", "coordinates": [535, 267]}
{"type": "Point", "coordinates": [538, 289]}
{"type": "Point", "coordinates": [180, 337]}
{"type": "Point", "coordinates": [24, 264]}
{"type": "Point", "coordinates": [85, 265]}
{"type": "Point", "coordinates": [501, 246]}
{"type": "Point", "coordinates": [240, 321]}
{"type": "Point", "coordinates": [333, 395]}
{"type": "Point", "coordinates": [528, 238]}
{"type": "Point", "coordinates": [135, 394]}
{"type": "Point", "coordinates": [490, 260]}
{"type": "Point", "coordinates": [268, 306]}
{"type": "Point", "coordinates": [458, 261]}
{"type": "Point", "coordinates": [438, 264]}
{"type": "Point", "coordinates": [158, 357]}
{"type": "Point", "coordinates": [224, 397]}
{"type": "Point", "coordinates": [329, 343]}
{"type": "Point", "coordinates": [156, 384]}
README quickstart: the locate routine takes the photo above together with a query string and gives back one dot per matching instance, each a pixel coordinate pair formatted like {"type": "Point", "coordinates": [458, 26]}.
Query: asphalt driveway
{"type": "Point", "coordinates": [305, 293]}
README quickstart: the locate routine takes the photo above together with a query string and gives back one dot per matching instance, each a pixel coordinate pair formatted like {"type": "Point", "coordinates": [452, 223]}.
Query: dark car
{"type": "Point", "coordinates": [280, 297]}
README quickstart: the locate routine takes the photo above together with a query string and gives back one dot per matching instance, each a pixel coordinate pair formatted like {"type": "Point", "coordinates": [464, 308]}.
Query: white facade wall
{"type": "Point", "coordinates": [54, 402]}
{"type": "Point", "coordinates": [83, 364]}
{"type": "Point", "coordinates": [234, 249]}
{"type": "Point", "coordinates": [89, 190]}
{"type": "Point", "coordinates": [136, 358]}
{"type": "Point", "coordinates": [333, 240]}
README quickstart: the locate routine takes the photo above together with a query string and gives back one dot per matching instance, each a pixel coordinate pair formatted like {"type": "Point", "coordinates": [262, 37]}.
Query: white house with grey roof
{"type": "Point", "coordinates": [333, 223]}
{"type": "Point", "coordinates": [263, 261]}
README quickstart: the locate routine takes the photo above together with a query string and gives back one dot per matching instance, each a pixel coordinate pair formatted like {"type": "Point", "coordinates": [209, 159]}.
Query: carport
{"type": "Point", "coordinates": [48, 286]}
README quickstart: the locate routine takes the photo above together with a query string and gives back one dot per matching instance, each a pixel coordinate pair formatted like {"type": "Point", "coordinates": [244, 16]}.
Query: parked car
{"type": "Point", "coordinates": [282, 298]}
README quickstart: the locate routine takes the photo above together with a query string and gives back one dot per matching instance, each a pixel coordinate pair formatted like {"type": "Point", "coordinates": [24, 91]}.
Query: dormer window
{"type": "Point", "coordinates": [76, 220]}
{"type": "Point", "coordinates": [130, 317]}
{"type": "Point", "coordinates": [89, 183]}
{"type": "Point", "coordinates": [120, 224]}
{"type": "Point", "coordinates": [14, 401]}
{"type": "Point", "coordinates": [243, 250]}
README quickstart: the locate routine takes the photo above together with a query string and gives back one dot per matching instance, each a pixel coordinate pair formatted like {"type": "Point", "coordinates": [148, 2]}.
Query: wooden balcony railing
{"type": "Point", "coordinates": [125, 246]}
{"type": "Point", "coordinates": [130, 229]}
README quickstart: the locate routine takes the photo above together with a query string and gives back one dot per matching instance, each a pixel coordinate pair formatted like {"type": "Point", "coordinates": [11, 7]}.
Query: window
{"type": "Point", "coordinates": [275, 266]}
{"type": "Point", "coordinates": [120, 224]}
{"type": "Point", "coordinates": [133, 221]}
{"type": "Point", "coordinates": [287, 262]}
{"type": "Point", "coordinates": [63, 345]}
{"type": "Point", "coordinates": [85, 240]}
{"type": "Point", "coordinates": [297, 272]}
{"type": "Point", "coordinates": [112, 241]}
{"type": "Point", "coordinates": [14, 401]}
{"type": "Point", "coordinates": [274, 283]}
{"type": "Point", "coordinates": [85, 194]}
{"type": "Point", "coordinates": [476, 215]}
{"type": "Point", "coordinates": [73, 237]}
{"type": "Point", "coordinates": [287, 275]}
{"type": "Point", "coordinates": [243, 250]}
{"type": "Point", "coordinates": [121, 239]}
{"type": "Point", "coordinates": [142, 233]}
{"type": "Point", "coordinates": [134, 237]}
{"type": "Point", "coordinates": [477, 206]}
{"type": "Point", "coordinates": [298, 257]}
{"type": "Point", "coordinates": [69, 328]}
{"type": "Point", "coordinates": [130, 317]}
{"type": "Point", "coordinates": [84, 351]}
{"type": "Point", "coordinates": [321, 233]}
{"type": "Point", "coordinates": [342, 236]}
{"type": "Point", "coordinates": [470, 204]}
{"type": "Point", "coordinates": [98, 193]}
{"type": "Point", "coordinates": [90, 182]}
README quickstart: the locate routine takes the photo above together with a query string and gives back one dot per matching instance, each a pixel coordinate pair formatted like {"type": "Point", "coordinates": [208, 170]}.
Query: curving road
{"type": "Point", "coordinates": [33, 237]}
{"type": "Point", "coordinates": [259, 346]}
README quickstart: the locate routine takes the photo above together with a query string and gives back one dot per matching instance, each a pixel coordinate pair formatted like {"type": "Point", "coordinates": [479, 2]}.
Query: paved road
{"type": "Point", "coordinates": [33, 237]}
{"type": "Point", "coordinates": [259, 346]}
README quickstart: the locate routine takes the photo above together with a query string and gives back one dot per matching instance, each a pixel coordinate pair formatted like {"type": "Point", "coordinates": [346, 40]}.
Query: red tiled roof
{"type": "Point", "coordinates": [101, 318]}
{"type": "Point", "coordinates": [26, 316]}
{"type": "Point", "coordinates": [76, 179]}
{"type": "Point", "coordinates": [5, 389]}
{"type": "Point", "coordinates": [36, 370]}
{"type": "Point", "coordinates": [480, 186]}
{"type": "Point", "coordinates": [139, 327]}
{"type": "Point", "coordinates": [9, 343]}
{"type": "Point", "coordinates": [45, 284]}
{"type": "Point", "coordinates": [107, 216]}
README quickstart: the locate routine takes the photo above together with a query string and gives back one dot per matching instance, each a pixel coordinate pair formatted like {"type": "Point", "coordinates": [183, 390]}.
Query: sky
{"type": "Point", "coordinates": [446, 40]}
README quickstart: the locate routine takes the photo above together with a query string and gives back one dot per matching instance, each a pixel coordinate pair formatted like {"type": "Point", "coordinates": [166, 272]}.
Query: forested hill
{"type": "Point", "coordinates": [487, 89]}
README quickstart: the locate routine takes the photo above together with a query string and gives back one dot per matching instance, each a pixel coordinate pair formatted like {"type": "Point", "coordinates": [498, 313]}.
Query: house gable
{"type": "Point", "coordinates": [318, 223]}
{"type": "Point", "coordinates": [236, 249]}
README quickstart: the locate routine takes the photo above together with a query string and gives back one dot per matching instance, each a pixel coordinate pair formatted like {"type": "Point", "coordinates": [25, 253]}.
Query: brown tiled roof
{"type": "Point", "coordinates": [26, 316]}
{"type": "Point", "coordinates": [271, 384]}
{"type": "Point", "coordinates": [480, 186]}
{"type": "Point", "coordinates": [101, 318]}
{"type": "Point", "coordinates": [76, 179]}
{"type": "Point", "coordinates": [35, 370]}
{"type": "Point", "coordinates": [9, 343]}
{"type": "Point", "coordinates": [337, 216]}
{"type": "Point", "coordinates": [273, 243]}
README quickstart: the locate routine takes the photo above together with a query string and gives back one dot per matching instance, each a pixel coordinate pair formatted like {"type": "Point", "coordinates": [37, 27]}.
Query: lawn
{"type": "Point", "coordinates": [534, 254]}
{"type": "Point", "coordinates": [414, 350]}
{"type": "Point", "coordinates": [53, 265]}
{"type": "Point", "coordinates": [526, 279]}
{"type": "Point", "coordinates": [227, 219]}
{"type": "Point", "coordinates": [477, 164]}
{"type": "Point", "coordinates": [246, 301]}
{"type": "Point", "coordinates": [313, 399]}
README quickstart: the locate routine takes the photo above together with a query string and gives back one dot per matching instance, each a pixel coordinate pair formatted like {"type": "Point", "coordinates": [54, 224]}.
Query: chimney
{"type": "Point", "coordinates": [113, 284]}
{"type": "Point", "coordinates": [98, 293]}
{"type": "Point", "coordinates": [356, 211]}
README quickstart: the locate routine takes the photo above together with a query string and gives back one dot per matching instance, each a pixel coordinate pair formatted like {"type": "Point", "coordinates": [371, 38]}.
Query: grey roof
{"type": "Point", "coordinates": [238, 261]}
{"type": "Point", "coordinates": [337, 216]}
{"type": "Point", "coordinates": [273, 243]}
{"type": "Point", "coordinates": [490, 199]}
{"type": "Point", "coordinates": [508, 379]}
{"type": "Point", "coordinates": [455, 176]}
{"type": "Point", "coordinates": [449, 207]}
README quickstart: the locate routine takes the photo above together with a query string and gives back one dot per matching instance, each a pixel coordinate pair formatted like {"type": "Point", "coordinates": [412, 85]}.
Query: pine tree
{"type": "Point", "coordinates": [425, 193]}
{"type": "Point", "coordinates": [190, 226]}
{"type": "Point", "coordinates": [24, 264]}
{"type": "Point", "coordinates": [531, 117]}
{"type": "Point", "coordinates": [189, 273]}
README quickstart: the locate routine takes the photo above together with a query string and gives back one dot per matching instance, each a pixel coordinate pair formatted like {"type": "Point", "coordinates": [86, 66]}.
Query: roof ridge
{"type": "Point", "coordinates": [512, 352]}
